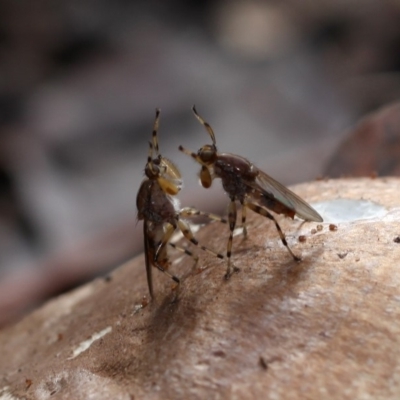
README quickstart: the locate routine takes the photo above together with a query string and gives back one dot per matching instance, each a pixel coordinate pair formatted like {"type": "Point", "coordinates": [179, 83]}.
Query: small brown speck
{"type": "Point", "coordinates": [145, 301]}
{"type": "Point", "coordinates": [342, 255]}
{"type": "Point", "coordinates": [396, 239]}
{"type": "Point", "coordinates": [108, 278]}
{"type": "Point", "coordinates": [319, 227]}
{"type": "Point", "coordinates": [333, 227]}
{"type": "Point", "coordinates": [302, 238]}
{"type": "Point", "coordinates": [28, 383]}
{"type": "Point", "coordinates": [313, 231]}
{"type": "Point", "coordinates": [263, 364]}
{"type": "Point", "coordinates": [60, 337]}
{"type": "Point", "coordinates": [219, 353]}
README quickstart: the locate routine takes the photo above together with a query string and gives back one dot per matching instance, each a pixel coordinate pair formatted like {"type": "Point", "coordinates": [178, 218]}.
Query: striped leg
{"type": "Point", "coordinates": [155, 130]}
{"type": "Point", "coordinates": [185, 229]}
{"type": "Point", "coordinates": [265, 213]}
{"type": "Point", "coordinates": [232, 215]}
{"type": "Point", "coordinates": [194, 256]}
{"type": "Point", "coordinates": [190, 212]}
{"type": "Point", "coordinates": [186, 251]}
{"type": "Point", "coordinates": [244, 219]}
{"type": "Point", "coordinates": [162, 264]}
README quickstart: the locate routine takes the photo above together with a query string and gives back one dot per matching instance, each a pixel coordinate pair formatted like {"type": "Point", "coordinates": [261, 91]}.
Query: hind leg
{"type": "Point", "coordinates": [262, 211]}
{"type": "Point", "coordinates": [160, 260]}
{"type": "Point", "coordinates": [188, 234]}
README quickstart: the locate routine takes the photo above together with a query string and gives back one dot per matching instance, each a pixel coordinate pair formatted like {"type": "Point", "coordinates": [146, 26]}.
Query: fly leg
{"type": "Point", "coordinates": [190, 211]}
{"type": "Point", "coordinates": [265, 213]}
{"type": "Point", "coordinates": [186, 231]}
{"type": "Point", "coordinates": [186, 251]}
{"type": "Point", "coordinates": [244, 219]}
{"type": "Point", "coordinates": [161, 250]}
{"type": "Point", "coordinates": [232, 215]}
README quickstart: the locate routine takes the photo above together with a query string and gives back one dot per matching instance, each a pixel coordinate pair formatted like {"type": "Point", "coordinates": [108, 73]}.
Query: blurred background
{"type": "Point", "coordinates": [281, 82]}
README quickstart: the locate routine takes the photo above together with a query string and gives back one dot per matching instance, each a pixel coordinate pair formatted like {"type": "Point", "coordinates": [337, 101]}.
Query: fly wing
{"type": "Point", "coordinates": [269, 186]}
{"type": "Point", "coordinates": [149, 268]}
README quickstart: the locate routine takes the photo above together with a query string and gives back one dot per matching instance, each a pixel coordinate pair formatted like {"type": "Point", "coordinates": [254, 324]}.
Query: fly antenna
{"type": "Point", "coordinates": [150, 157]}
{"type": "Point", "coordinates": [205, 124]}
{"type": "Point", "coordinates": [155, 130]}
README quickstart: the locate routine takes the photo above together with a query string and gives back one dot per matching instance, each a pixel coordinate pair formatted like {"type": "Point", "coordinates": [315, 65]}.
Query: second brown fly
{"type": "Point", "coordinates": [161, 213]}
{"type": "Point", "coordinates": [253, 188]}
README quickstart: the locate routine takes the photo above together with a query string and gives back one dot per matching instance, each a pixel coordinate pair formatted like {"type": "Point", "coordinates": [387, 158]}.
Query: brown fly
{"type": "Point", "coordinates": [160, 212]}
{"type": "Point", "coordinates": [253, 188]}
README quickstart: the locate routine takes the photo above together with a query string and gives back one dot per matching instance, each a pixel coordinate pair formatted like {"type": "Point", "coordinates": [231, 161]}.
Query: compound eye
{"type": "Point", "coordinates": [207, 154]}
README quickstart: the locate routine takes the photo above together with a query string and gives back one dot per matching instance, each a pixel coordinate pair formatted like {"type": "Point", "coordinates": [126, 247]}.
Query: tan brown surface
{"type": "Point", "coordinates": [327, 327]}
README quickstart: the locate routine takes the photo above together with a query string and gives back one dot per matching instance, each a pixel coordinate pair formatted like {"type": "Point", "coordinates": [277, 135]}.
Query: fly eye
{"type": "Point", "coordinates": [207, 153]}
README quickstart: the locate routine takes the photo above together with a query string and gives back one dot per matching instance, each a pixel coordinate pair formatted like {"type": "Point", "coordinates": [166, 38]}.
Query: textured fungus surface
{"type": "Point", "coordinates": [327, 327]}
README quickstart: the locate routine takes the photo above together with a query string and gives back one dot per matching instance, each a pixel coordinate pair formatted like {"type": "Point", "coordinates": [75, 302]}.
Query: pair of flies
{"type": "Point", "coordinates": [242, 181]}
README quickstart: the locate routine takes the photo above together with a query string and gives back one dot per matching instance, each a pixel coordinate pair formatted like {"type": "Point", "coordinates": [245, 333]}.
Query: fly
{"type": "Point", "coordinates": [253, 188]}
{"type": "Point", "coordinates": [161, 213]}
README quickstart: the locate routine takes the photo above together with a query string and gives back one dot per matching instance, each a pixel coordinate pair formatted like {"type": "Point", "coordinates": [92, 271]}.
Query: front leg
{"type": "Point", "coordinates": [244, 219]}
{"type": "Point", "coordinates": [162, 265]}
{"type": "Point", "coordinates": [232, 215]}
{"type": "Point", "coordinates": [188, 234]}
{"type": "Point", "coordinates": [190, 212]}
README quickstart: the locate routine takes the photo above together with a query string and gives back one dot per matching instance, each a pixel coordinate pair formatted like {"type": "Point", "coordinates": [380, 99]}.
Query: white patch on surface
{"type": "Point", "coordinates": [59, 308]}
{"type": "Point", "coordinates": [83, 346]}
{"type": "Point", "coordinates": [79, 384]}
{"type": "Point", "coordinates": [6, 395]}
{"type": "Point", "coordinates": [136, 309]}
{"type": "Point", "coordinates": [348, 210]}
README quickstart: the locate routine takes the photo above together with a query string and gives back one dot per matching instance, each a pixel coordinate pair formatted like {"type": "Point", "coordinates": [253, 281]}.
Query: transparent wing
{"type": "Point", "coordinates": [269, 186]}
